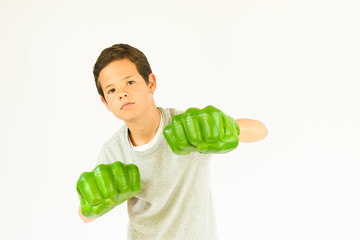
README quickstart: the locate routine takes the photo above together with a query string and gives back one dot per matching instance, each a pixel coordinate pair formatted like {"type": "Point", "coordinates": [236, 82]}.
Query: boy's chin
{"type": "Point", "coordinates": [127, 116]}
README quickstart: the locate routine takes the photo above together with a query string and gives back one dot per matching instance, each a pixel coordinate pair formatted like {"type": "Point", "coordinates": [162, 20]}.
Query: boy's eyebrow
{"type": "Point", "coordinates": [121, 80]}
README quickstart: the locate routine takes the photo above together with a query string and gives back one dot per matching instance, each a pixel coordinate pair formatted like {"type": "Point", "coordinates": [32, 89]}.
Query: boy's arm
{"type": "Point", "coordinates": [83, 218]}
{"type": "Point", "coordinates": [251, 130]}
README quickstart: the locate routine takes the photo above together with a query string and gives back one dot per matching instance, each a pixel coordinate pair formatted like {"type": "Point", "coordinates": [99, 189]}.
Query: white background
{"type": "Point", "coordinates": [293, 65]}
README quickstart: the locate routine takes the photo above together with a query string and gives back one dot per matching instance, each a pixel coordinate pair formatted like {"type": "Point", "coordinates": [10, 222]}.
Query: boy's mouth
{"type": "Point", "coordinates": [126, 105]}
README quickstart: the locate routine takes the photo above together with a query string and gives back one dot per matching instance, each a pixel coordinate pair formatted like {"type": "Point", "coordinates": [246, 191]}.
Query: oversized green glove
{"type": "Point", "coordinates": [206, 131]}
{"type": "Point", "coordinates": [106, 187]}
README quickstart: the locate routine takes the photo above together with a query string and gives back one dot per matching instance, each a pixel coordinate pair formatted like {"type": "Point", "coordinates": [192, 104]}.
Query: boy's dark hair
{"type": "Point", "coordinates": [121, 51]}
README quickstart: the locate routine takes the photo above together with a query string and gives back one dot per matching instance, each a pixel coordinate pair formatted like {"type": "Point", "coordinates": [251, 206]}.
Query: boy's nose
{"type": "Point", "coordinates": [122, 95]}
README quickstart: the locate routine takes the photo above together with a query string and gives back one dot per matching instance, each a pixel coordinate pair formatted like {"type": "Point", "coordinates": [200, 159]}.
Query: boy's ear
{"type": "Point", "coordinates": [105, 103]}
{"type": "Point", "coordinates": [152, 83]}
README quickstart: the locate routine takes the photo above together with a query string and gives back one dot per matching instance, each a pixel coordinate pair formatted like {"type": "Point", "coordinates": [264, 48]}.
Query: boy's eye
{"type": "Point", "coordinates": [111, 91]}
{"type": "Point", "coordinates": [130, 83]}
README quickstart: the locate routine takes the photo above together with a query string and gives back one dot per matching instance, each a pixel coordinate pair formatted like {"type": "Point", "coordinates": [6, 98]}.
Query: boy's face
{"type": "Point", "coordinates": [126, 93]}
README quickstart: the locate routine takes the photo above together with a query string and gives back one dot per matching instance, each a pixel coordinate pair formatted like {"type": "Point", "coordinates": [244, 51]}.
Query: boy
{"type": "Point", "coordinates": [158, 160]}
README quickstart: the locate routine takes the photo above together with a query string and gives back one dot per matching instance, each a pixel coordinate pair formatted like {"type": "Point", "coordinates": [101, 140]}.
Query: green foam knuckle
{"type": "Point", "coordinates": [206, 130]}
{"type": "Point", "coordinates": [107, 186]}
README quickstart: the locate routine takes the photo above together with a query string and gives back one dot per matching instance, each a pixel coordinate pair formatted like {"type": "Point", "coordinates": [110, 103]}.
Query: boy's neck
{"type": "Point", "coordinates": [143, 130]}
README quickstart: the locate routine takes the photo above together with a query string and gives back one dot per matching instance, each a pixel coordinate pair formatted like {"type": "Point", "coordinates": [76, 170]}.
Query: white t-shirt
{"type": "Point", "coordinates": [175, 201]}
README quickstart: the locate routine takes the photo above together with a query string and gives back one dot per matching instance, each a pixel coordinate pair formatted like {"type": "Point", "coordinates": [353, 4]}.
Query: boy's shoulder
{"type": "Point", "coordinates": [171, 111]}
{"type": "Point", "coordinates": [115, 138]}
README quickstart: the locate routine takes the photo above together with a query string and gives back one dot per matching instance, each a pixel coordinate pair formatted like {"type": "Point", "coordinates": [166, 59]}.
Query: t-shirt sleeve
{"type": "Point", "coordinates": [103, 158]}
{"type": "Point", "coordinates": [110, 150]}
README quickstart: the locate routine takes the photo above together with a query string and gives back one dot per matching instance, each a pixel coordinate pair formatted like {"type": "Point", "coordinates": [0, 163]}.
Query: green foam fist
{"type": "Point", "coordinates": [106, 187]}
{"type": "Point", "coordinates": [206, 130]}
